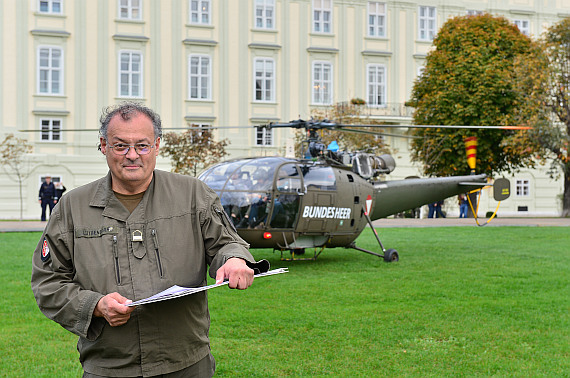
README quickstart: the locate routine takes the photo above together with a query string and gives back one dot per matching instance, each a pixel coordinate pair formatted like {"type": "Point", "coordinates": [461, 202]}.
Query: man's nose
{"type": "Point", "coordinates": [132, 153]}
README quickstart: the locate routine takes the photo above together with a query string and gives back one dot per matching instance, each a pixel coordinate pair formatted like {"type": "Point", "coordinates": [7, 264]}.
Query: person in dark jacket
{"type": "Point", "coordinates": [47, 196]}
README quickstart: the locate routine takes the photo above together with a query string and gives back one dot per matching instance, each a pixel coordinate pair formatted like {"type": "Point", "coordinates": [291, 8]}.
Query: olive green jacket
{"type": "Point", "coordinates": [92, 246]}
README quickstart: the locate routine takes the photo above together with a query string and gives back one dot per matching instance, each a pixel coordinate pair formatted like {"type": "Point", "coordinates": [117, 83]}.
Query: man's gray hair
{"type": "Point", "coordinates": [127, 110]}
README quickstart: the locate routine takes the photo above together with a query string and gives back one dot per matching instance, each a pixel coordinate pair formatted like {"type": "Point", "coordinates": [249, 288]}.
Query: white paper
{"type": "Point", "coordinates": [179, 291]}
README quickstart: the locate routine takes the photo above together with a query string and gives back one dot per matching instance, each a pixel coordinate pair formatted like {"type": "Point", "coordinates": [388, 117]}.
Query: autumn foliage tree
{"type": "Point", "coordinates": [544, 80]}
{"type": "Point", "coordinates": [469, 80]}
{"type": "Point", "coordinates": [192, 150]}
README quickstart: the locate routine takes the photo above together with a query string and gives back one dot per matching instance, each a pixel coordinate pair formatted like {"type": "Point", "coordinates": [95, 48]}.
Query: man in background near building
{"type": "Point", "coordinates": [47, 196]}
{"type": "Point", "coordinates": [130, 235]}
{"type": "Point", "coordinates": [463, 206]}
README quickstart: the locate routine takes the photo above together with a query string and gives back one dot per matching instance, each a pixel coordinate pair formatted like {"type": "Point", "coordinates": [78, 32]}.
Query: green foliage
{"type": "Point", "coordinates": [462, 301]}
{"type": "Point", "coordinates": [192, 150]}
{"type": "Point", "coordinates": [357, 101]}
{"type": "Point", "coordinates": [468, 80]}
{"type": "Point", "coordinates": [544, 81]}
{"type": "Point", "coordinates": [558, 52]}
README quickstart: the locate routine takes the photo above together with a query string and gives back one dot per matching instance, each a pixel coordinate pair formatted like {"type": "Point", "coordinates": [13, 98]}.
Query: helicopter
{"type": "Point", "coordinates": [327, 198]}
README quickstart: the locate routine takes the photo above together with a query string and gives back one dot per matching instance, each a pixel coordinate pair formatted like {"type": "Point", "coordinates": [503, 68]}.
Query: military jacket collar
{"type": "Point", "coordinates": [113, 208]}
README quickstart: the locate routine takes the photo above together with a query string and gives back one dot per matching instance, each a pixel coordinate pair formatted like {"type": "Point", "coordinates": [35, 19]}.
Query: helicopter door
{"type": "Point", "coordinates": [288, 188]}
{"type": "Point", "coordinates": [318, 211]}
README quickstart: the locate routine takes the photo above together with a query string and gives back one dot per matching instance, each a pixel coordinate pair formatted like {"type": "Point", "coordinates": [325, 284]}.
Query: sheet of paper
{"type": "Point", "coordinates": [179, 291]}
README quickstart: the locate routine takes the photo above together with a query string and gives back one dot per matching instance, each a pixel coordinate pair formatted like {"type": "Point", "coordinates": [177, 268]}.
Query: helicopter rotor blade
{"type": "Point", "coordinates": [369, 132]}
{"type": "Point", "coordinates": [164, 128]}
{"type": "Point", "coordinates": [325, 124]}
{"type": "Point", "coordinates": [440, 127]}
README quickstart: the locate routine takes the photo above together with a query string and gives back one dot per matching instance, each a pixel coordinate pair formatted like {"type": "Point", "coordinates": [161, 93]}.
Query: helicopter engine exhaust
{"type": "Point", "coordinates": [369, 166]}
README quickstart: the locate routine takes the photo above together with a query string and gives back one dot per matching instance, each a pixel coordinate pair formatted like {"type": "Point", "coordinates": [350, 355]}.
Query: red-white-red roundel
{"type": "Point", "coordinates": [45, 250]}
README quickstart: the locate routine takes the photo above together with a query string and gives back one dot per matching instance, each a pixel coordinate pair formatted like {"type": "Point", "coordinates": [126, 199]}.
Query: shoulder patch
{"type": "Point", "coordinates": [45, 251]}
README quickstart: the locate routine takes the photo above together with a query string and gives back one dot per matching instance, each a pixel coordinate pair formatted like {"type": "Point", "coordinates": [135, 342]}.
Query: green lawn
{"type": "Point", "coordinates": [462, 301]}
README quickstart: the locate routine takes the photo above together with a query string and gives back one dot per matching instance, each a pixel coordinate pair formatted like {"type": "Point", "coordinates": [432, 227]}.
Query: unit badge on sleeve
{"type": "Point", "coordinates": [45, 251]}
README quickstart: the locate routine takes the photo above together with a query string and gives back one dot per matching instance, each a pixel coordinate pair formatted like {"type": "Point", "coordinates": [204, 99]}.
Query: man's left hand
{"type": "Point", "coordinates": [237, 273]}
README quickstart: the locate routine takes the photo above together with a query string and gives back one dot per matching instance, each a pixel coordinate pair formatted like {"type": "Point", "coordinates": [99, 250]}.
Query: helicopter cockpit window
{"type": "Point", "coordinates": [288, 179]}
{"type": "Point", "coordinates": [245, 188]}
{"type": "Point", "coordinates": [262, 179]}
{"type": "Point", "coordinates": [285, 206]}
{"type": "Point", "coordinates": [319, 177]}
{"type": "Point", "coordinates": [217, 177]}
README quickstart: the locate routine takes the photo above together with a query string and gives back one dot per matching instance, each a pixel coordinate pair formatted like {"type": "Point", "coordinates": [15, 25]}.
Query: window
{"type": "Point", "coordinates": [264, 16]}
{"type": "Point", "coordinates": [50, 130]}
{"type": "Point", "coordinates": [263, 136]}
{"type": "Point", "coordinates": [130, 74]}
{"type": "Point", "coordinates": [523, 188]}
{"type": "Point", "coordinates": [322, 83]}
{"type": "Point", "coordinates": [130, 9]}
{"type": "Point", "coordinates": [198, 129]}
{"type": "Point", "coordinates": [319, 177]}
{"type": "Point", "coordinates": [54, 179]}
{"type": "Point", "coordinates": [200, 12]}
{"type": "Point", "coordinates": [524, 26]}
{"type": "Point", "coordinates": [264, 79]}
{"type": "Point", "coordinates": [322, 15]}
{"type": "Point", "coordinates": [376, 19]}
{"type": "Point", "coordinates": [50, 6]}
{"type": "Point", "coordinates": [427, 21]}
{"type": "Point", "coordinates": [50, 70]}
{"type": "Point", "coordinates": [421, 71]}
{"type": "Point", "coordinates": [200, 77]}
{"type": "Point", "coordinates": [472, 12]}
{"type": "Point", "coordinates": [376, 84]}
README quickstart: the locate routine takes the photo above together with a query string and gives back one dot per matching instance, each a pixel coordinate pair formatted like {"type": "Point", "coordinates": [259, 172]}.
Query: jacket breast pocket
{"type": "Point", "coordinates": [177, 251]}
{"type": "Point", "coordinates": [101, 261]}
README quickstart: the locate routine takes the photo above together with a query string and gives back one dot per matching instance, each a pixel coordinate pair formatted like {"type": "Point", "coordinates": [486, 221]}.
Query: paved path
{"type": "Point", "coordinates": [28, 226]}
{"type": "Point", "coordinates": [455, 222]}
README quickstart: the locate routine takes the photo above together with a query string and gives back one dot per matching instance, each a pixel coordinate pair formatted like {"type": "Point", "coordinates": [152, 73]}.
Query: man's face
{"type": "Point", "coordinates": [131, 173]}
{"type": "Point", "coordinates": [48, 180]}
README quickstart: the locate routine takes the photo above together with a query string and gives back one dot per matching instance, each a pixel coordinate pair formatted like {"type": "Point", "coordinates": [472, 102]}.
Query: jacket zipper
{"type": "Point", "coordinates": [158, 262]}
{"type": "Point", "coordinates": [116, 254]}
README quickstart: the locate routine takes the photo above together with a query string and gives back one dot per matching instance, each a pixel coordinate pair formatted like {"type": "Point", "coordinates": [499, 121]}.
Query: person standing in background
{"type": "Point", "coordinates": [47, 196]}
{"type": "Point", "coordinates": [462, 206]}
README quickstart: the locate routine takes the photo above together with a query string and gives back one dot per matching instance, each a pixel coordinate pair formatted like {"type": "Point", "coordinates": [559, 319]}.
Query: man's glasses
{"type": "Point", "coordinates": [123, 149]}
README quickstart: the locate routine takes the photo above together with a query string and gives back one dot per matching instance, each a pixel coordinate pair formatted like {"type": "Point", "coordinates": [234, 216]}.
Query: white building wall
{"type": "Point", "coordinates": [91, 36]}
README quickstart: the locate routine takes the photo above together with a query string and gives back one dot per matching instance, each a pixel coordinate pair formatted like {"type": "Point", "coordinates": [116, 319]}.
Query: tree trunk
{"type": "Point", "coordinates": [21, 200]}
{"type": "Point", "coordinates": [566, 195]}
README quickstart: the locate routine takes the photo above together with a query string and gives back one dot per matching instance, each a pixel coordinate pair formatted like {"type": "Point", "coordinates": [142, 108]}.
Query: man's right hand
{"type": "Point", "coordinates": [112, 308]}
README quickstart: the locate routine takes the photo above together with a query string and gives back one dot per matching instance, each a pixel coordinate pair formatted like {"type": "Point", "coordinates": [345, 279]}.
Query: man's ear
{"type": "Point", "coordinates": [103, 145]}
{"type": "Point", "coordinates": [157, 144]}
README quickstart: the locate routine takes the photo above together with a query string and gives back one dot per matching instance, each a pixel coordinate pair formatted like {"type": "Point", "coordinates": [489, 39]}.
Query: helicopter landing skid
{"type": "Point", "coordinates": [301, 251]}
{"type": "Point", "coordinates": [389, 255]}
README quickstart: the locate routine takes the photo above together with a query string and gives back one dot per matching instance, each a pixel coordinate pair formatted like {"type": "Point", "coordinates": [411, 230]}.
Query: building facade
{"type": "Point", "coordinates": [223, 63]}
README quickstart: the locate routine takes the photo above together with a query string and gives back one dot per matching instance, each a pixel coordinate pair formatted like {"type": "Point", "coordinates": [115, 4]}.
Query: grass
{"type": "Point", "coordinates": [462, 301]}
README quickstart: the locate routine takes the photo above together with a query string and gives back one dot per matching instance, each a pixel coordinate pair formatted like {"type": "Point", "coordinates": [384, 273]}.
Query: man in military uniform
{"type": "Point", "coordinates": [47, 196]}
{"type": "Point", "coordinates": [128, 236]}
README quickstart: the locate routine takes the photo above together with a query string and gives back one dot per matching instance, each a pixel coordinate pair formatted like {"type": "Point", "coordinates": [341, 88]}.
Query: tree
{"type": "Point", "coordinates": [192, 150]}
{"type": "Point", "coordinates": [545, 82]}
{"type": "Point", "coordinates": [469, 80]}
{"type": "Point", "coordinates": [14, 157]}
